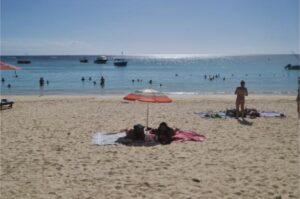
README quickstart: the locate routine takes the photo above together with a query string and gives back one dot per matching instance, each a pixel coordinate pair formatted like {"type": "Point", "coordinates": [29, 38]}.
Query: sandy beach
{"type": "Point", "coordinates": [46, 150]}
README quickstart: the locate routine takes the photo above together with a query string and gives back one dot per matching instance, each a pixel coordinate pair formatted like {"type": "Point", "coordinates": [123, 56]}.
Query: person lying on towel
{"type": "Point", "coordinates": [163, 134]}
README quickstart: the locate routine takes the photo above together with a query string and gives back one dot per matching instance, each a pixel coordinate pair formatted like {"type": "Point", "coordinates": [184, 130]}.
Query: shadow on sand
{"type": "Point", "coordinates": [128, 142]}
{"type": "Point", "coordinates": [244, 122]}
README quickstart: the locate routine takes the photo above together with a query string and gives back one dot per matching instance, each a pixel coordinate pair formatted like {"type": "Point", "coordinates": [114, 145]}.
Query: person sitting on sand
{"type": "Point", "coordinates": [135, 134]}
{"type": "Point", "coordinates": [164, 133]}
{"type": "Point", "coordinates": [240, 93]}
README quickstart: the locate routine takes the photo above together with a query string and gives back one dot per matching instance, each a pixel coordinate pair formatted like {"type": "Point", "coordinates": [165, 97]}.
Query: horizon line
{"type": "Point", "coordinates": [158, 54]}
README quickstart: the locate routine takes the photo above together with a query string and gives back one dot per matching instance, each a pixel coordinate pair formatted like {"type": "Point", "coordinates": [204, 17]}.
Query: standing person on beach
{"type": "Point", "coordinates": [240, 93]}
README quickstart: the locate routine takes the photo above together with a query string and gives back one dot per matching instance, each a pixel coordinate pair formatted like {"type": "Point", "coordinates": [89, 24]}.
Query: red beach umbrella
{"type": "Point", "coordinates": [5, 66]}
{"type": "Point", "coordinates": [149, 96]}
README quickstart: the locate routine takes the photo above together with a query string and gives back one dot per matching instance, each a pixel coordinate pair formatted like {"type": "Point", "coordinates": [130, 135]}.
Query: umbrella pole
{"type": "Point", "coordinates": [147, 115]}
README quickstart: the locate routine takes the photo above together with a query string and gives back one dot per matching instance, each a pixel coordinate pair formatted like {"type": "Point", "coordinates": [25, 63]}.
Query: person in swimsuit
{"type": "Point", "coordinates": [240, 93]}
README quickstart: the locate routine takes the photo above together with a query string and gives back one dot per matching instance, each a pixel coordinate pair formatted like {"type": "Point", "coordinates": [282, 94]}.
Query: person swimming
{"type": "Point", "coordinates": [240, 93]}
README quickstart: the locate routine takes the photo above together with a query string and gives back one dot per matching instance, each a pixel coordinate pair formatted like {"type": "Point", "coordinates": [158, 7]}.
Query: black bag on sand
{"type": "Point", "coordinates": [138, 132]}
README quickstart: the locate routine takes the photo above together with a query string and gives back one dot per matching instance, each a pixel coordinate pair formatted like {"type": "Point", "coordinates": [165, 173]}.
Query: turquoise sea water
{"type": "Point", "coordinates": [262, 73]}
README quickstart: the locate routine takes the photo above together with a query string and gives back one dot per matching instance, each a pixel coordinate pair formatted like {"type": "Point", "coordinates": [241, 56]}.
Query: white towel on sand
{"type": "Point", "coordinates": [270, 114]}
{"type": "Point", "coordinates": [103, 138]}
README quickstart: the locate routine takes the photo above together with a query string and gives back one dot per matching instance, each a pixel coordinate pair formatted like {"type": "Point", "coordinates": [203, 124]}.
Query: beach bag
{"type": "Point", "coordinates": [137, 133]}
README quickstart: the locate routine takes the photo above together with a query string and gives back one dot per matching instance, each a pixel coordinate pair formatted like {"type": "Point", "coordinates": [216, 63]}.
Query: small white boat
{"type": "Point", "coordinates": [101, 60]}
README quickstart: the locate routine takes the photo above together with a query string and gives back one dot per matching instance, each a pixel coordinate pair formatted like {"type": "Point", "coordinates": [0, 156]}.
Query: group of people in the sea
{"type": "Point", "coordinates": [213, 77]}
{"type": "Point", "coordinates": [42, 82]}
{"type": "Point", "coordinates": [150, 82]}
{"type": "Point", "coordinates": [102, 81]}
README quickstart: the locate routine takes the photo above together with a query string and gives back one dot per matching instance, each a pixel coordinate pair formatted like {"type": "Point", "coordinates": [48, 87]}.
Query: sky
{"type": "Point", "coordinates": [79, 27]}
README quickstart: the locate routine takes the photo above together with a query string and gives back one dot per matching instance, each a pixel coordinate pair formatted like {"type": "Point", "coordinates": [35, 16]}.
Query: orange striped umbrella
{"type": "Point", "coordinates": [149, 96]}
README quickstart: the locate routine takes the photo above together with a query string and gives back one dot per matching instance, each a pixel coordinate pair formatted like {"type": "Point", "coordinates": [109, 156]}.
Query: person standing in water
{"type": "Point", "coordinates": [240, 93]}
{"type": "Point", "coordinates": [41, 82]}
{"type": "Point", "coordinates": [102, 81]}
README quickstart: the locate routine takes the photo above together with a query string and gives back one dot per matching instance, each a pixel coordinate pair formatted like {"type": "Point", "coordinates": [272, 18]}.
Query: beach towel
{"type": "Point", "coordinates": [271, 114]}
{"type": "Point", "coordinates": [182, 136]}
{"type": "Point", "coordinates": [231, 113]}
{"type": "Point", "coordinates": [212, 114]}
{"type": "Point", "coordinates": [103, 138]}
{"type": "Point", "coordinates": [148, 141]}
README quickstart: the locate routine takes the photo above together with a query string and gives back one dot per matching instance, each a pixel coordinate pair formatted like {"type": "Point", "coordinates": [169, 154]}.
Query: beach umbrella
{"type": "Point", "coordinates": [5, 66]}
{"type": "Point", "coordinates": [148, 96]}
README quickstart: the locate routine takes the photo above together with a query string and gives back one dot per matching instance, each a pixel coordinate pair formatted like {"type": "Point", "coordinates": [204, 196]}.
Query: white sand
{"type": "Point", "coordinates": [46, 150]}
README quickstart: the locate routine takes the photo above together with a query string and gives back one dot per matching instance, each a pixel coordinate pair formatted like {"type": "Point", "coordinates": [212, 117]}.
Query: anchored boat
{"type": "Point", "coordinates": [120, 62]}
{"type": "Point", "coordinates": [101, 60]}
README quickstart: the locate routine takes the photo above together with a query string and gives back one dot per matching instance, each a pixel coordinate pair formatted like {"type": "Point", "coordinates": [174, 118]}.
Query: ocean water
{"type": "Point", "coordinates": [262, 74]}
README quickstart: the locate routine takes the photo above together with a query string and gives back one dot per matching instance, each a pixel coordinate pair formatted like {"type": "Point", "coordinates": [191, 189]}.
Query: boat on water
{"type": "Point", "coordinates": [120, 62]}
{"type": "Point", "coordinates": [292, 67]}
{"type": "Point", "coordinates": [101, 60]}
{"type": "Point", "coordinates": [24, 61]}
{"type": "Point", "coordinates": [84, 60]}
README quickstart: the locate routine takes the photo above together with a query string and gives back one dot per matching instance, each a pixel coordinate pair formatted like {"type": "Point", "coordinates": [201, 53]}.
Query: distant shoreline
{"type": "Point", "coordinates": [183, 55]}
{"type": "Point", "coordinates": [173, 96]}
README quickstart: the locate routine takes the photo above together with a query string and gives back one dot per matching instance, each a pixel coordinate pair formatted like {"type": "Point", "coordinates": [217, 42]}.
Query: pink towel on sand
{"type": "Point", "coordinates": [181, 136]}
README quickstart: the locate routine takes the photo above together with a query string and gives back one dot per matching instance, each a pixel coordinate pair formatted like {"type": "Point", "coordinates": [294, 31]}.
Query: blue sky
{"type": "Point", "coordinates": [149, 26]}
